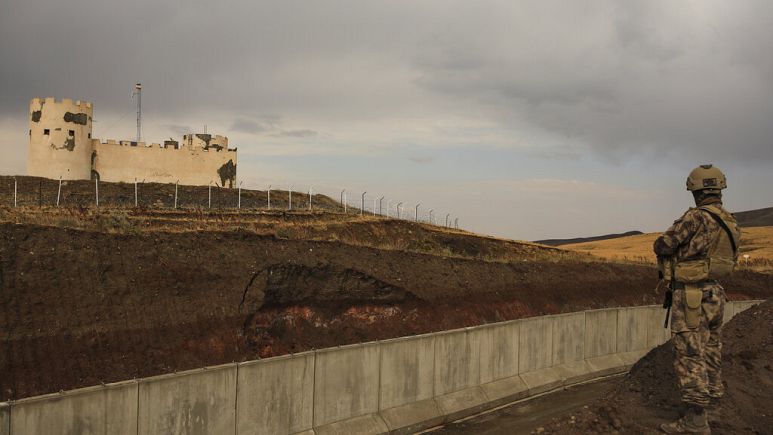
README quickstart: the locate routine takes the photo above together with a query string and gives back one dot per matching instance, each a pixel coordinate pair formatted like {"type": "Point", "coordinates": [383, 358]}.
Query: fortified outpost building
{"type": "Point", "coordinates": [61, 146]}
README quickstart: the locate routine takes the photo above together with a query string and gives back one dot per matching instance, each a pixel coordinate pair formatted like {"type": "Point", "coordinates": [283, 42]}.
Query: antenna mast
{"type": "Point", "coordinates": [138, 92]}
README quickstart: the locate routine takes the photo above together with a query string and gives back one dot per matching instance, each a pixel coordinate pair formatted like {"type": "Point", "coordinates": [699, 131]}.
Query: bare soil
{"type": "Point", "coordinates": [38, 191]}
{"type": "Point", "coordinates": [93, 295]}
{"type": "Point", "coordinates": [648, 396]}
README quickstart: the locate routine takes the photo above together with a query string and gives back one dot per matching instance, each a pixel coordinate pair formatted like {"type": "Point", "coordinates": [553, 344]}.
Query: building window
{"type": "Point", "coordinates": [71, 133]}
{"type": "Point", "coordinates": [89, 135]}
{"type": "Point", "coordinates": [46, 131]}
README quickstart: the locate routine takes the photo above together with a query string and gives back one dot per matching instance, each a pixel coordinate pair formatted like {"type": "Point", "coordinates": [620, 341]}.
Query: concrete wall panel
{"type": "Point", "coordinates": [196, 402]}
{"type": "Point", "coordinates": [737, 307]}
{"type": "Point", "coordinates": [632, 329]}
{"type": "Point", "coordinates": [535, 343]}
{"type": "Point", "coordinates": [276, 395]}
{"type": "Point", "coordinates": [728, 313]}
{"type": "Point", "coordinates": [457, 363]}
{"type": "Point", "coordinates": [346, 383]}
{"type": "Point", "coordinates": [600, 332]}
{"type": "Point", "coordinates": [96, 410]}
{"type": "Point", "coordinates": [498, 350]}
{"type": "Point", "coordinates": [568, 338]}
{"type": "Point", "coordinates": [5, 419]}
{"type": "Point", "coordinates": [656, 333]}
{"type": "Point", "coordinates": [741, 306]}
{"type": "Point", "coordinates": [407, 370]}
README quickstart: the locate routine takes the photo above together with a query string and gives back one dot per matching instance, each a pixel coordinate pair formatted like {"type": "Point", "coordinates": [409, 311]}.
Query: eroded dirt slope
{"type": "Point", "coordinates": [79, 307]}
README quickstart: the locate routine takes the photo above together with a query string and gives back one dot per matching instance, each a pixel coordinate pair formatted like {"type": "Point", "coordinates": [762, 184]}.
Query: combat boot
{"type": "Point", "coordinates": [712, 410]}
{"type": "Point", "coordinates": [694, 421]}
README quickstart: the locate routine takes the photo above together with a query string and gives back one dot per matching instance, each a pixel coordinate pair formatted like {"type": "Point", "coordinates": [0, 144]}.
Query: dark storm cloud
{"type": "Point", "coordinates": [663, 78]}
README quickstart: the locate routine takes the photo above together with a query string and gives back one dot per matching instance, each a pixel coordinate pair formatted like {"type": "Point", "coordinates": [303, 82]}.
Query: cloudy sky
{"type": "Point", "coordinates": [525, 120]}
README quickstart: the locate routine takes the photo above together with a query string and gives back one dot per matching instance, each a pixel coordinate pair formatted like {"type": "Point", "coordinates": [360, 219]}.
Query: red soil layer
{"type": "Point", "coordinates": [79, 307]}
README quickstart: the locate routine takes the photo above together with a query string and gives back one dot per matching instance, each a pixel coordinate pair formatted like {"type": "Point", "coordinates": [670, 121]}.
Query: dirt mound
{"type": "Point", "coordinates": [648, 395]}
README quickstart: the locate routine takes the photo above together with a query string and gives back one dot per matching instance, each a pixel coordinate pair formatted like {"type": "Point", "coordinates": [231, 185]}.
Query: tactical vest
{"type": "Point", "coordinates": [722, 256]}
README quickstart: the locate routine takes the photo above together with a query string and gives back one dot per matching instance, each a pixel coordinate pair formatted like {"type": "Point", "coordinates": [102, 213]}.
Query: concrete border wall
{"type": "Point", "coordinates": [105, 409]}
{"type": "Point", "coordinates": [198, 401]}
{"type": "Point", "coordinates": [275, 395]}
{"type": "Point", "coordinates": [401, 385]}
{"type": "Point", "coordinates": [5, 419]}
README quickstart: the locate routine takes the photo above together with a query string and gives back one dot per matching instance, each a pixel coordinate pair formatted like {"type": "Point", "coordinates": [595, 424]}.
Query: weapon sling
{"type": "Point", "coordinates": [722, 224]}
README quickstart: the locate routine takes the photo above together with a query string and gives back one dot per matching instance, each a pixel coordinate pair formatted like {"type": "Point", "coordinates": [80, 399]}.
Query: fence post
{"type": "Point", "coordinates": [380, 200]}
{"type": "Point", "coordinates": [456, 223]}
{"type": "Point", "coordinates": [96, 190]}
{"type": "Point", "coordinates": [310, 190]}
{"type": "Point", "coordinates": [175, 193]}
{"type": "Point", "coordinates": [362, 203]}
{"type": "Point", "coordinates": [135, 192]}
{"type": "Point", "coordinates": [389, 207]}
{"type": "Point", "coordinates": [59, 191]}
{"type": "Point", "coordinates": [209, 195]}
{"type": "Point", "coordinates": [374, 206]}
{"type": "Point", "coordinates": [346, 204]}
{"type": "Point", "coordinates": [430, 215]}
{"type": "Point", "coordinates": [398, 209]}
{"type": "Point", "coordinates": [269, 197]}
{"type": "Point", "coordinates": [416, 215]}
{"type": "Point", "coordinates": [447, 216]}
{"type": "Point", "coordinates": [290, 198]}
{"type": "Point", "coordinates": [14, 191]}
{"type": "Point", "coordinates": [239, 202]}
{"type": "Point", "coordinates": [343, 204]}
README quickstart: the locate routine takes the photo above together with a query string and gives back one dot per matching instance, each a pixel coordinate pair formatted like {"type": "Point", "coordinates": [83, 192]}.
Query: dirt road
{"type": "Point", "coordinates": [529, 415]}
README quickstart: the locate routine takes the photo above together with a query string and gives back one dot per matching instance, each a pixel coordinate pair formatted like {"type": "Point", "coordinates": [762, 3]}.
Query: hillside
{"type": "Point", "coordinates": [757, 242]}
{"type": "Point", "coordinates": [755, 218]}
{"type": "Point", "coordinates": [752, 218]}
{"type": "Point", "coordinates": [560, 242]}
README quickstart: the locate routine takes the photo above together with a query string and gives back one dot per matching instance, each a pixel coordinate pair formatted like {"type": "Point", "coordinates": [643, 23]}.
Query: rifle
{"type": "Point", "coordinates": [666, 271]}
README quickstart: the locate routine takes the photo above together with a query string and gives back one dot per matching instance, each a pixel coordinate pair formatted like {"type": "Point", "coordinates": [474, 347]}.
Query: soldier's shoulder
{"type": "Point", "coordinates": [690, 214]}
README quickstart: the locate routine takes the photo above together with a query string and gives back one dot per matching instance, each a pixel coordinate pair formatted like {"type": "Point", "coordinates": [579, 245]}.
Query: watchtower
{"type": "Point", "coordinates": [60, 139]}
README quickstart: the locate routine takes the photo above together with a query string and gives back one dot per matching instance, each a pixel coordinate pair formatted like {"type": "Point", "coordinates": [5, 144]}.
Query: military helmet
{"type": "Point", "coordinates": [706, 177]}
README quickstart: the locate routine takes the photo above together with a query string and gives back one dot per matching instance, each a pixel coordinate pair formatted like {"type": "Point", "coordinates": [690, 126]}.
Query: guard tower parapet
{"type": "Point", "coordinates": [60, 138]}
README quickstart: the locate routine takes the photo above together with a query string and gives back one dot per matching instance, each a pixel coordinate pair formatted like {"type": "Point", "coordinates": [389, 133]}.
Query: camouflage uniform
{"type": "Point", "coordinates": [698, 351]}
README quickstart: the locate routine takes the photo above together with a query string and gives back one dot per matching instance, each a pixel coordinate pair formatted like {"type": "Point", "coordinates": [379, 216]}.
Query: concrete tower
{"type": "Point", "coordinates": [60, 139]}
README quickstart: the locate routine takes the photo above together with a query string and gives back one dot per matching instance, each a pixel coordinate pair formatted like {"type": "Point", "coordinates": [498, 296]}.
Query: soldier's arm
{"type": "Point", "coordinates": [680, 233]}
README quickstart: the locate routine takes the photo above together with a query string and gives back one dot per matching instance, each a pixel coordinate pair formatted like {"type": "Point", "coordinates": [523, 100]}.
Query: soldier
{"type": "Point", "coordinates": [700, 248]}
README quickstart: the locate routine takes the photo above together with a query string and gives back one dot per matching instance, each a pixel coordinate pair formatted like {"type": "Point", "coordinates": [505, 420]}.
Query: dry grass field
{"type": "Point", "coordinates": [757, 242]}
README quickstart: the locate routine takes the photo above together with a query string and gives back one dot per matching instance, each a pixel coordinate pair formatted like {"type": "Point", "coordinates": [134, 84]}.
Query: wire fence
{"type": "Point", "coordinates": [26, 191]}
